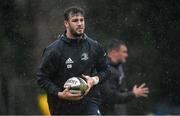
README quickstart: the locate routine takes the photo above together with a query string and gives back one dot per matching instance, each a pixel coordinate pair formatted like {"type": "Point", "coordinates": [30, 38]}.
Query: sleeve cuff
{"type": "Point", "coordinates": [131, 94]}
{"type": "Point", "coordinates": [56, 91]}
{"type": "Point", "coordinates": [100, 77]}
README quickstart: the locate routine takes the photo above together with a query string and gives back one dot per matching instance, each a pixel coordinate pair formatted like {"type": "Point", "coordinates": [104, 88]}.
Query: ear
{"type": "Point", "coordinates": [113, 51]}
{"type": "Point", "coordinates": [66, 24]}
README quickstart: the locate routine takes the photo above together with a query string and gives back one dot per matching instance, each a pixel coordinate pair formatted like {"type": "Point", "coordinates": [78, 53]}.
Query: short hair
{"type": "Point", "coordinates": [115, 44]}
{"type": "Point", "coordinates": [73, 10]}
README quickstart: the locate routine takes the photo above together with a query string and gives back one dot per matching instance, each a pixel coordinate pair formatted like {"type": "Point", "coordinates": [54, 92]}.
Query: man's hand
{"type": "Point", "coordinates": [90, 83]}
{"type": "Point", "coordinates": [141, 90]}
{"type": "Point", "coordinates": [69, 96]}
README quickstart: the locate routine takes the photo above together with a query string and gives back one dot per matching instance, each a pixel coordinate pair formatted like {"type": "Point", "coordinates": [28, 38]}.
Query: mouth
{"type": "Point", "coordinates": [80, 29]}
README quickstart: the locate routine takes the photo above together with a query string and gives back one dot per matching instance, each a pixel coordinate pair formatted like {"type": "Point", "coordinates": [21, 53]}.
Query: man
{"type": "Point", "coordinates": [114, 91]}
{"type": "Point", "coordinates": [73, 54]}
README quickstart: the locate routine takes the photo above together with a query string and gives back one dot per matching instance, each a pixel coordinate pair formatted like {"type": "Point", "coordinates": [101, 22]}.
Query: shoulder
{"type": "Point", "coordinates": [54, 47]}
{"type": "Point", "coordinates": [93, 42]}
{"type": "Point", "coordinates": [97, 47]}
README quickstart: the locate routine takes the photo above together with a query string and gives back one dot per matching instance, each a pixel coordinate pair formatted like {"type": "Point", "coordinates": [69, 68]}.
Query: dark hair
{"type": "Point", "coordinates": [72, 11]}
{"type": "Point", "coordinates": [115, 44]}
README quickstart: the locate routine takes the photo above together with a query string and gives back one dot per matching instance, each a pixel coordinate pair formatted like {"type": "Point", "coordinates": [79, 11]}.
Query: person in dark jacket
{"type": "Point", "coordinates": [114, 91]}
{"type": "Point", "coordinates": [73, 54]}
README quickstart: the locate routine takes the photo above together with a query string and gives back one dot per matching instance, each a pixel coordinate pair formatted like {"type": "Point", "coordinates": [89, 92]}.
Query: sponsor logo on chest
{"type": "Point", "coordinates": [69, 63]}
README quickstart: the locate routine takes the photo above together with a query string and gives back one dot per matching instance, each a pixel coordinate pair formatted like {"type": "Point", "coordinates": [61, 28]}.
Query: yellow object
{"type": "Point", "coordinates": [43, 105]}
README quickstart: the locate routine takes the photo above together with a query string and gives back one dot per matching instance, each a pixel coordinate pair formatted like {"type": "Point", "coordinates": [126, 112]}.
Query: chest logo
{"type": "Point", "coordinates": [69, 63]}
{"type": "Point", "coordinates": [84, 56]}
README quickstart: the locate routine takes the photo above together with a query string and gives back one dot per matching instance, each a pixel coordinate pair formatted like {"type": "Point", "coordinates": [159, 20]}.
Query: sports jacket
{"type": "Point", "coordinates": [114, 90]}
{"type": "Point", "coordinates": [66, 58]}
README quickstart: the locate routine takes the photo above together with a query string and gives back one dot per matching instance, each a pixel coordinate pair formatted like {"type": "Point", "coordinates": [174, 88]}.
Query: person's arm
{"type": "Point", "coordinates": [47, 69]}
{"type": "Point", "coordinates": [101, 65]}
{"type": "Point", "coordinates": [112, 94]}
{"type": "Point", "coordinates": [124, 97]}
{"type": "Point", "coordinates": [125, 94]}
{"type": "Point", "coordinates": [101, 68]}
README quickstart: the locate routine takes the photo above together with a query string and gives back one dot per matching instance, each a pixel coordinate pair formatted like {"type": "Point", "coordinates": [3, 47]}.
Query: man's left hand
{"type": "Point", "coordinates": [90, 83]}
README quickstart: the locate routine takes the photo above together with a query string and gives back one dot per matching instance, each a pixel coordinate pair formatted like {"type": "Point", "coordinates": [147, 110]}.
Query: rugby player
{"type": "Point", "coordinates": [73, 54]}
{"type": "Point", "coordinates": [114, 91]}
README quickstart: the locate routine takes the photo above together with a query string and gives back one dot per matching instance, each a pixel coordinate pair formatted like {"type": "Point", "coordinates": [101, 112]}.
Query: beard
{"type": "Point", "coordinates": [75, 33]}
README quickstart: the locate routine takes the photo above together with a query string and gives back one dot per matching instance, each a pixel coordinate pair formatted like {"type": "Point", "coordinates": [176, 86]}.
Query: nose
{"type": "Point", "coordinates": [79, 22]}
{"type": "Point", "coordinates": [126, 55]}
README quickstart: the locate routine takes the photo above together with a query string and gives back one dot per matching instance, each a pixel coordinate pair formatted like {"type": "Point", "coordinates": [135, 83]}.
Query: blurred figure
{"type": "Point", "coordinates": [114, 91]}
{"type": "Point", "coordinates": [43, 105]}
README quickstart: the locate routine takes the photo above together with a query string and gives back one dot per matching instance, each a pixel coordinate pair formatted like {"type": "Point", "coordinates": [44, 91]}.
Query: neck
{"type": "Point", "coordinates": [70, 36]}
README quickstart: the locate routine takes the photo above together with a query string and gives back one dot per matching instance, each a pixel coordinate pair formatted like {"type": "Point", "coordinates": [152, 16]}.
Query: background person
{"type": "Point", "coordinates": [114, 90]}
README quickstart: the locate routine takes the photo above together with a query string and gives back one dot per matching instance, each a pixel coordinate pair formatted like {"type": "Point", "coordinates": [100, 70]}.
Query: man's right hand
{"type": "Point", "coordinates": [69, 96]}
{"type": "Point", "coordinates": [141, 91]}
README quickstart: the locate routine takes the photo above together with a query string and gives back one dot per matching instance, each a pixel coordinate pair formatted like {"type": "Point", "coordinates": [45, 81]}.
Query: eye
{"type": "Point", "coordinates": [81, 20]}
{"type": "Point", "coordinates": [74, 20]}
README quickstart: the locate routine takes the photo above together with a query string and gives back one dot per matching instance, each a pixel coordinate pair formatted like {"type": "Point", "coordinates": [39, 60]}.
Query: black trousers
{"type": "Point", "coordinates": [74, 108]}
{"type": "Point", "coordinates": [113, 109]}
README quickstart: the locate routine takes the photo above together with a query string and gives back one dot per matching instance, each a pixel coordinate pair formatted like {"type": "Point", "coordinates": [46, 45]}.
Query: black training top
{"type": "Point", "coordinates": [114, 90]}
{"type": "Point", "coordinates": [66, 58]}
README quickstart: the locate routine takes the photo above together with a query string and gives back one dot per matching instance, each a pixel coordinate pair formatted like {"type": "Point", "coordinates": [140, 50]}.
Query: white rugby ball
{"type": "Point", "coordinates": [76, 85]}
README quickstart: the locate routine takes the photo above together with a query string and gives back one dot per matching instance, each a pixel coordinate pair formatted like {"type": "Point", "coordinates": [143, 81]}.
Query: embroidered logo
{"type": "Point", "coordinates": [84, 56]}
{"type": "Point", "coordinates": [69, 62]}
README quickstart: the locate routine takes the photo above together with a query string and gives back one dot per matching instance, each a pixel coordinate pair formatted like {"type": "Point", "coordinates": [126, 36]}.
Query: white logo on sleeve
{"type": "Point", "coordinates": [69, 63]}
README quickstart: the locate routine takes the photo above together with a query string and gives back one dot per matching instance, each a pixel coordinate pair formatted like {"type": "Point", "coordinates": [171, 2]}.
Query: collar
{"type": "Point", "coordinates": [68, 40]}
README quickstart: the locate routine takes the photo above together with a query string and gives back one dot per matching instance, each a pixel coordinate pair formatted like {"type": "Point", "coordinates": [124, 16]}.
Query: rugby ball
{"type": "Point", "coordinates": [76, 85]}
